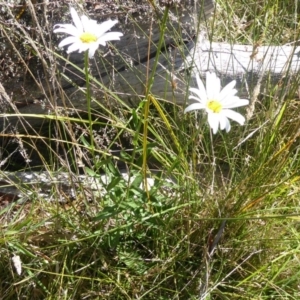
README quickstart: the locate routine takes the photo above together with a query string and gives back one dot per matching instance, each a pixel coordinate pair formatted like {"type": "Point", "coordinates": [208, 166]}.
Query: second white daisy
{"type": "Point", "coordinates": [216, 102]}
{"type": "Point", "coordinates": [86, 34]}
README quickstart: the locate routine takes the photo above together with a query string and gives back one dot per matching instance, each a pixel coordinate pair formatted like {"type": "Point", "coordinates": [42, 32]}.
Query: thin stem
{"type": "Point", "coordinates": [88, 98]}
{"type": "Point", "coordinates": [148, 100]}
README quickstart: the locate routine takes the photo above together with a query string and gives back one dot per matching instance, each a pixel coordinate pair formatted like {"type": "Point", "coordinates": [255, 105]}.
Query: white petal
{"type": "Point", "coordinates": [213, 86]}
{"type": "Point", "coordinates": [101, 42]}
{"type": "Point", "coordinates": [230, 98]}
{"type": "Point", "coordinates": [86, 24]}
{"type": "Point", "coordinates": [68, 29]}
{"type": "Point", "coordinates": [74, 47]}
{"type": "Point", "coordinates": [92, 27]}
{"type": "Point", "coordinates": [213, 121]}
{"type": "Point", "coordinates": [200, 93]}
{"type": "Point", "coordinates": [197, 99]}
{"type": "Point", "coordinates": [76, 20]}
{"type": "Point", "coordinates": [228, 126]}
{"type": "Point", "coordinates": [201, 88]}
{"type": "Point", "coordinates": [233, 115]}
{"type": "Point", "coordinates": [235, 102]}
{"type": "Point", "coordinates": [105, 26]}
{"type": "Point", "coordinates": [194, 106]}
{"type": "Point", "coordinates": [92, 50]}
{"type": "Point", "coordinates": [228, 90]}
{"type": "Point", "coordinates": [109, 36]}
{"type": "Point", "coordinates": [68, 40]}
{"type": "Point", "coordinates": [224, 122]}
{"type": "Point", "coordinates": [83, 47]}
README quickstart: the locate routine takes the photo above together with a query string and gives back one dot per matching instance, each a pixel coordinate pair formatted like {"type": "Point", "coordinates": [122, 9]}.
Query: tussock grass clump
{"type": "Point", "coordinates": [195, 215]}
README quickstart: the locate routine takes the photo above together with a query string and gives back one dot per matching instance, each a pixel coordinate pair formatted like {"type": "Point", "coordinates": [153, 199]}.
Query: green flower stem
{"type": "Point", "coordinates": [88, 98]}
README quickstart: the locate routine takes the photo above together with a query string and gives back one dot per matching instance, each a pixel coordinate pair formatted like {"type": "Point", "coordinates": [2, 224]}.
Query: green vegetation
{"type": "Point", "coordinates": [234, 192]}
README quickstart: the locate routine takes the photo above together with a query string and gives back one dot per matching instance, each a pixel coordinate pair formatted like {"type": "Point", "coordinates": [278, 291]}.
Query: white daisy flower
{"type": "Point", "coordinates": [217, 102]}
{"type": "Point", "coordinates": [86, 34]}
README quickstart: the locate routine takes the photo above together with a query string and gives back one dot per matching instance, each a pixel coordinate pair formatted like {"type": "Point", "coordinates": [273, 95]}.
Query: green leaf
{"type": "Point", "coordinates": [107, 212]}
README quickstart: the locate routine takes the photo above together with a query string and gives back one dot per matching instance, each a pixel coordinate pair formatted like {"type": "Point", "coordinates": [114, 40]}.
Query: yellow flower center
{"type": "Point", "coordinates": [87, 38]}
{"type": "Point", "coordinates": [214, 105]}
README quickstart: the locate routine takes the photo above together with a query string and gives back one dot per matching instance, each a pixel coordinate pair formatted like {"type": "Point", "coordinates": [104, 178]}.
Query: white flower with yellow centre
{"type": "Point", "coordinates": [216, 102]}
{"type": "Point", "coordinates": [86, 34]}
